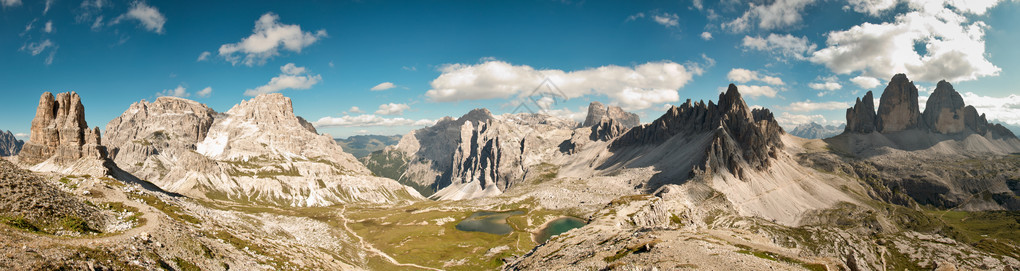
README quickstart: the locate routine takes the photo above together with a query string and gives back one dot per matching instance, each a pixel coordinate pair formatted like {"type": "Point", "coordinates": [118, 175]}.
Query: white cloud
{"type": "Point", "coordinates": [205, 92]}
{"type": "Point", "coordinates": [148, 16]}
{"type": "Point", "coordinates": [204, 56]}
{"type": "Point", "coordinates": [293, 77]}
{"type": "Point", "coordinates": [706, 35]}
{"type": "Point", "coordinates": [878, 7]}
{"type": "Point", "coordinates": [808, 105]}
{"type": "Point", "coordinates": [792, 120]}
{"type": "Point", "coordinates": [778, 14]}
{"type": "Point", "coordinates": [754, 91]}
{"type": "Point", "coordinates": [36, 48]}
{"type": "Point", "coordinates": [953, 48]}
{"type": "Point", "coordinates": [180, 91]}
{"type": "Point", "coordinates": [383, 86]}
{"type": "Point", "coordinates": [21, 135]}
{"type": "Point", "coordinates": [355, 110]}
{"type": "Point", "coordinates": [787, 45]}
{"type": "Point", "coordinates": [744, 76]}
{"type": "Point", "coordinates": [633, 88]}
{"type": "Point", "coordinates": [368, 120]}
{"type": "Point", "coordinates": [49, 3]}
{"type": "Point", "coordinates": [825, 86]}
{"type": "Point", "coordinates": [268, 38]}
{"type": "Point", "coordinates": [48, 27]}
{"type": "Point", "coordinates": [361, 132]}
{"type": "Point", "coordinates": [866, 82]}
{"type": "Point", "coordinates": [392, 109]}
{"type": "Point", "coordinates": [666, 19]}
{"type": "Point", "coordinates": [636, 16]}
{"type": "Point", "coordinates": [1004, 109]}
{"type": "Point", "coordinates": [10, 3]}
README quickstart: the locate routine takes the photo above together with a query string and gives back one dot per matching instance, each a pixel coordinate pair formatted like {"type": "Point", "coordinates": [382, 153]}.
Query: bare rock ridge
{"type": "Point", "coordinates": [739, 135]}
{"type": "Point", "coordinates": [9, 144]}
{"type": "Point", "coordinates": [433, 148]}
{"type": "Point", "coordinates": [150, 139]}
{"type": "Point", "coordinates": [59, 132]}
{"type": "Point", "coordinates": [944, 113]}
{"type": "Point", "coordinates": [861, 117]}
{"type": "Point", "coordinates": [258, 151]}
{"type": "Point", "coordinates": [608, 122]}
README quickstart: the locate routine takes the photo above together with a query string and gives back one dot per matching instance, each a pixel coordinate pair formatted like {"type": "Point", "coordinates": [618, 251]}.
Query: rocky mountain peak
{"type": "Point", "coordinates": [59, 131]}
{"type": "Point", "coordinates": [898, 108]}
{"type": "Point", "coordinates": [861, 117]}
{"type": "Point", "coordinates": [740, 136]}
{"type": "Point", "coordinates": [944, 111]}
{"type": "Point", "coordinates": [608, 122]}
{"type": "Point", "coordinates": [9, 144]}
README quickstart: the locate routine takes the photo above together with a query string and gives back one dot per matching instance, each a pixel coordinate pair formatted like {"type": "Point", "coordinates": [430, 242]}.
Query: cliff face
{"type": "Point", "coordinates": [59, 132]}
{"type": "Point", "coordinates": [898, 108]}
{"type": "Point", "coordinates": [740, 136]}
{"type": "Point", "coordinates": [944, 113]}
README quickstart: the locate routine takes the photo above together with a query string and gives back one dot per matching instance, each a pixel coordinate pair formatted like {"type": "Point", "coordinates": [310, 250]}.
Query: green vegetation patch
{"type": "Point", "coordinates": [996, 232]}
{"type": "Point", "coordinates": [20, 223]}
{"type": "Point", "coordinates": [76, 224]}
{"type": "Point", "coordinates": [173, 211]}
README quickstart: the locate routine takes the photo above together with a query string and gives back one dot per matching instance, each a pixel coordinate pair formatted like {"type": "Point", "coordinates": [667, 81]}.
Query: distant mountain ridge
{"type": "Point", "coordinates": [817, 131]}
{"type": "Point", "coordinates": [9, 144]}
{"type": "Point", "coordinates": [363, 145]}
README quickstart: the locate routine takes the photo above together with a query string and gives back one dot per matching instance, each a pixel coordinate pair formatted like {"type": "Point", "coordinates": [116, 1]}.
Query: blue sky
{"type": "Point", "coordinates": [807, 60]}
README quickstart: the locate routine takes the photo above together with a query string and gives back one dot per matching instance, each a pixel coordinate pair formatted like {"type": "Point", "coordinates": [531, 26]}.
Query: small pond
{"type": "Point", "coordinates": [488, 222]}
{"type": "Point", "coordinates": [558, 226]}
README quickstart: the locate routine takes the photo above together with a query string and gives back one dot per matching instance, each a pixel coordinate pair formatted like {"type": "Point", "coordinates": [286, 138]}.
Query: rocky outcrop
{"type": "Point", "coordinates": [739, 135]}
{"type": "Point", "coordinates": [430, 151]}
{"type": "Point", "coordinates": [861, 117]}
{"type": "Point", "coordinates": [485, 162]}
{"type": "Point", "coordinates": [9, 145]}
{"type": "Point", "coordinates": [945, 112]}
{"type": "Point", "coordinates": [898, 108]}
{"type": "Point", "coordinates": [59, 132]}
{"type": "Point", "coordinates": [606, 129]}
{"type": "Point", "coordinates": [816, 131]}
{"type": "Point", "coordinates": [597, 111]}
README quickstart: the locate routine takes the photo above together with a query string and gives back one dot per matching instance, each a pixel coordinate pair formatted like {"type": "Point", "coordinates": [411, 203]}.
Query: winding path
{"type": "Point", "coordinates": [372, 249]}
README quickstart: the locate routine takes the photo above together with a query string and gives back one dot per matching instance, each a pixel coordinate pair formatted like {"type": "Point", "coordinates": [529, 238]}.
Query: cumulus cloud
{"type": "Point", "coordinates": [866, 82]}
{"type": "Point", "coordinates": [180, 91]}
{"type": "Point", "coordinates": [355, 110]}
{"type": "Point", "coordinates": [744, 76]}
{"type": "Point", "coordinates": [48, 27]}
{"type": "Point", "coordinates": [368, 120]}
{"type": "Point", "coordinates": [878, 7]}
{"type": "Point", "coordinates": [828, 84]}
{"type": "Point", "coordinates": [637, 87]}
{"type": "Point", "coordinates": [392, 109]}
{"type": "Point", "coordinates": [269, 37]}
{"type": "Point", "coordinates": [21, 135]}
{"type": "Point", "coordinates": [954, 49]}
{"type": "Point", "coordinates": [10, 3]}
{"type": "Point", "coordinates": [754, 91]}
{"type": "Point", "coordinates": [1004, 109]}
{"type": "Point", "coordinates": [778, 14]}
{"type": "Point", "coordinates": [292, 77]}
{"type": "Point", "coordinates": [204, 56]}
{"type": "Point", "coordinates": [808, 105]}
{"type": "Point", "coordinates": [205, 92]}
{"type": "Point", "coordinates": [792, 120]}
{"type": "Point", "coordinates": [383, 86]}
{"type": "Point", "coordinates": [148, 16]}
{"type": "Point", "coordinates": [706, 35]}
{"type": "Point", "coordinates": [787, 46]}
{"type": "Point", "coordinates": [666, 19]}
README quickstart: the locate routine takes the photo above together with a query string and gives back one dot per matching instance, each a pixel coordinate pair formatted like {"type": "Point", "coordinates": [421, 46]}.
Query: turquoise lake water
{"type": "Point", "coordinates": [558, 226]}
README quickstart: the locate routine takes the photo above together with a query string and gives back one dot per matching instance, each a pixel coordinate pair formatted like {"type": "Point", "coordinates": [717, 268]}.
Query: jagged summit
{"type": "Point", "coordinates": [9, 144]}
{"type": "Point", "coordinates": [61, 138]}
{"type": "Point", "coordinates": [608, 122]}
{"type": "Point", "coordinates": [740, 135]}
{"type": "Point", "coordinates": [944, 113]}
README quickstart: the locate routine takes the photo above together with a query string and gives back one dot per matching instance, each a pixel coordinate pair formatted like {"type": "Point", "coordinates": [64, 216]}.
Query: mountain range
{"type": "Point", "coordinates": [708, 184]}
